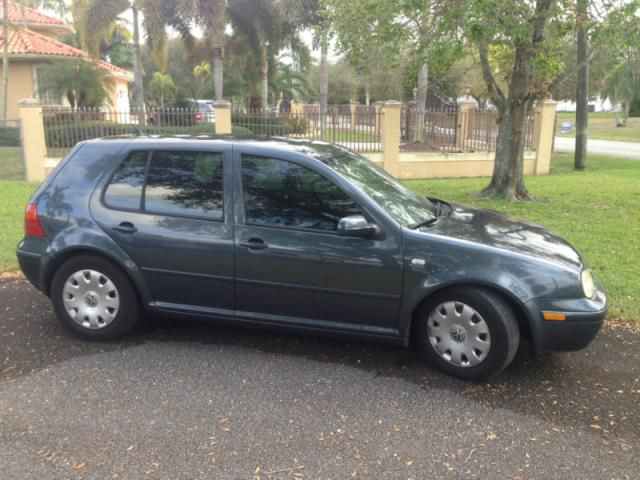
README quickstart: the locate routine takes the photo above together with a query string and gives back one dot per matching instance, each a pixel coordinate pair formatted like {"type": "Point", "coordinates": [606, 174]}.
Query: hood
{"type": "Point", "coordinates": [501, 231]}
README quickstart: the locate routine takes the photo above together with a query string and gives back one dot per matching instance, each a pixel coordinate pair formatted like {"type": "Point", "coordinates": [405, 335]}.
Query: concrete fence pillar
{"type": "Point", "coordinates": [391, 136]}
{"type": "Point", "coordinates": [296, 107]}
{"type": "Point", "coordinates": [34, 145]}
{"type": "Point", "coordinates": [354, 113]}
{"type": "Point", "coordinates": [223, 117]}
{"type": "Point", "coordinates": [378, 106]}
{"type": "Point", "coordinates": [463, 123]}
{"type": "Point", "coordinates": [543, 132]}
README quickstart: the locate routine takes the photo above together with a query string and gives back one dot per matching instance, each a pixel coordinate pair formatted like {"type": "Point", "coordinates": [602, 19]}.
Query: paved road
{"type": "Point", "coordinates": [601, 147]}
{"type": "Point", "coordinates": [181, 400]}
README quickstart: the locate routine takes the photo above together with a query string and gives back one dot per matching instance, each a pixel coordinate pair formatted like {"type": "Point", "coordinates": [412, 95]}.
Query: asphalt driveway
{"type": "Point", "coordinates": [180, 400]}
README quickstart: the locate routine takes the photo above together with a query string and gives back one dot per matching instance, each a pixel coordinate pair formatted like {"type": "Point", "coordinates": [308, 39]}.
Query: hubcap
{"type": "Point", "coordinates": [459, 334]}
{"type": "Point", "coordinates": [91, 299]}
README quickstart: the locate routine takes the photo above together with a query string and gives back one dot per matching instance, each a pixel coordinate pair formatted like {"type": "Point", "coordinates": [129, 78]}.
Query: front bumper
{"type": "Point", "coordinates": [584, 318]}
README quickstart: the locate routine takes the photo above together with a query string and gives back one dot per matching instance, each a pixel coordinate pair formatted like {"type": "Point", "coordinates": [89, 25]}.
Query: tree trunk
{"type": "Point", "coordinates": [324, 84]}
{"type": "Point", "coordinates": [264, 79]}
{"type": "Point", "coordinates": [421, 102]}
{"type": "Point", "coordinates": [139, 85]}
{"type": "Point", "coordinates": [367, 98]}
{"type": "Point", "coordinates": [218, 73]}
{"type": "Point", "coordinates": [625, 112]}
{"type": "Point", "coordinates": [507, 180]}
{"type": "Point", "coordinates": [582, 87]}
{"type": "Point", "coordinates": [5, 58]}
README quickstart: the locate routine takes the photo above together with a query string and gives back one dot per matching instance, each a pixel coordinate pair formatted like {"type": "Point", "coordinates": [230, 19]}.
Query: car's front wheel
{"type": "Point", "coordinates": [470, 333]}
{"type": "Point", "coordinates": [94, 298]}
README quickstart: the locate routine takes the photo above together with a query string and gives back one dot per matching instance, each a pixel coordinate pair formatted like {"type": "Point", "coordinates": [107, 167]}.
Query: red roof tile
{"type": "Point", "coordinates": [108, 67]}
{"type": "Point", "coordinates": [18, 14]}
{"type": "Point", "coordinates": [23, 41]}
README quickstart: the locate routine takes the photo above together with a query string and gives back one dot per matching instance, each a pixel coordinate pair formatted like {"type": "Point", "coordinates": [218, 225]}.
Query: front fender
{"type": "Point", "coordinates": [434, 263]}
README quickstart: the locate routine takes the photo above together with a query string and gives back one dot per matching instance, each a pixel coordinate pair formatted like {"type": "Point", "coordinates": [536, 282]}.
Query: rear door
{"type": "Point", "coordinates": [169, 209]}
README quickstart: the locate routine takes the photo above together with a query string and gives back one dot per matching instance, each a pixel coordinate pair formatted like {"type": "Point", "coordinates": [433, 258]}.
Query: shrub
{"type": "Point", "coordinates": [10, 137]}
{"type": "Point", "coordinates": [263, 124]}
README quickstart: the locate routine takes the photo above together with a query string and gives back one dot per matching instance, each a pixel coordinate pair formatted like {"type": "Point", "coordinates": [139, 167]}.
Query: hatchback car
{"type": "Point", "coordinates": [297, 235]}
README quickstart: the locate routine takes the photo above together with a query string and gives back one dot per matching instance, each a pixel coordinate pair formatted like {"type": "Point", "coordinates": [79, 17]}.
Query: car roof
{"type": "Point", "coordinates": [312, 148]}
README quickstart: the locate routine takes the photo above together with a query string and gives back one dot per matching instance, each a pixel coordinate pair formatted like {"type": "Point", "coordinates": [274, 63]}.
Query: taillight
{"type": "Point", "coordinates": [198, 117]}
{"type": "Point", "coordinates": [32, 227]}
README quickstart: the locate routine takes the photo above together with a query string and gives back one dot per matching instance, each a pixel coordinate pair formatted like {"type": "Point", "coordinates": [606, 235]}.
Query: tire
{"type": "Point", "coordinates": [469, 333]}
{"type": "Point", "coordinates": [103, 305]}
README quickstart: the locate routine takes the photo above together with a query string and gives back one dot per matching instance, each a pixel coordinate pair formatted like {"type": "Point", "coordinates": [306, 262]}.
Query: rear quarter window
{"type": "Point", "coordinates": [125, 189]}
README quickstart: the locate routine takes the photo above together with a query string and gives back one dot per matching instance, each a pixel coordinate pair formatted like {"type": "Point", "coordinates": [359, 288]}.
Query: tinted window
{"type": "Point", "coordinates": [277, 192]}
{"type": "Point", "coordinates": [403, 204]}
{"type": "Point", "coordinates": [125, 189]}
{"type": "Point", "coordinates": [185, 183]}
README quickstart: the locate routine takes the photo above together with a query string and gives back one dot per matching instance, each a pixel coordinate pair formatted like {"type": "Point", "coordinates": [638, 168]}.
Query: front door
{"type": "Point", "coordinates": [167, 210]}
{"type": "Point", "coordinates": [292, 266]}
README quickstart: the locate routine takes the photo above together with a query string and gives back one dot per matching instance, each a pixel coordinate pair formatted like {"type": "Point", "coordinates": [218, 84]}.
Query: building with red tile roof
{"type": "Point", "coordinates": [34, 44]}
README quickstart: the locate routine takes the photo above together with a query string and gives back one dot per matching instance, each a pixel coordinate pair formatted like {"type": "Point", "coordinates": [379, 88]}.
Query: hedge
{"type": "Point", "coordinates": [10, 137]}
{"type": "Point", "coordinates": [67, 135]}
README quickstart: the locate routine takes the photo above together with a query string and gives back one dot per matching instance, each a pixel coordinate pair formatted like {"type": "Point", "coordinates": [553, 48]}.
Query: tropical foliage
{"type": "Point", "coordinates": [81, 83]}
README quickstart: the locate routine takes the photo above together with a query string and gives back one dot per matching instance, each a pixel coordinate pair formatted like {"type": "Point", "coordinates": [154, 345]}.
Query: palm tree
{"type": "Point", "coordinates": [308, 14]}
{"type": "Point", "coordinates": [95, 20]}
{"type": "Point", "coordinates": [289, 82]}
{"type": "Point", "coordinates": [265, 28]}
{"type": "Point", "coordinates": [80, 82]}
{"type": "Point", "coordinates": [623, 84]}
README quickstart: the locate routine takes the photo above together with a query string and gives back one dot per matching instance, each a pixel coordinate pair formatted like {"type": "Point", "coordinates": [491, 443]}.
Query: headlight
{"type": "Point", "coordinates": [588, 285]}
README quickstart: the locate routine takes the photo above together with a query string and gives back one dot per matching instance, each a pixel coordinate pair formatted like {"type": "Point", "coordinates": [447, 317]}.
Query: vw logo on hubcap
{"type": "Point", "coordinates": [458, 333]}
{"type": "Point", "coordinates": [91, 298]}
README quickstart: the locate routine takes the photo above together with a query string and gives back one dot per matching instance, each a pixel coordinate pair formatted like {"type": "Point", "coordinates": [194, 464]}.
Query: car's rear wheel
{"type": "Point", "coordinates": [94, 298]}
{"type": "Point", "coordinates": [470, 333]}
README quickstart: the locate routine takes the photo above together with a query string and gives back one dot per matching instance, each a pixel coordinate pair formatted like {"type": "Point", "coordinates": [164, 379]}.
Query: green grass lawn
{"type": "Point", "coordinates": [336, 135]}
{"type": "Point", "coordinates": [602, 126]}
{"type": "Point", "coordinates": [13, 199]}
{"type": "Point", "coordinates": [597, 210]}
{"type": "Point", "coordinates": [11, 163]}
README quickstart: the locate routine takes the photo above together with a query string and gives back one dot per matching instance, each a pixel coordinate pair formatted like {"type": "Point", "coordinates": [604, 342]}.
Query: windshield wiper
{"type": "Point", "coordinates": [425, 223]}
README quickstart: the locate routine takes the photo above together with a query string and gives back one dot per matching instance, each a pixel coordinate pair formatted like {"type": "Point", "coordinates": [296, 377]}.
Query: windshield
{"type": "Point", "coordinates": [403, 204]}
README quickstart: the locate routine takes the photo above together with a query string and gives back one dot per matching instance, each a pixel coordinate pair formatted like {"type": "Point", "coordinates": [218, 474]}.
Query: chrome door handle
{"type": "Point", "coordinates": [125, 227]}
{"type": "Point", "coordinates": [254, 244]}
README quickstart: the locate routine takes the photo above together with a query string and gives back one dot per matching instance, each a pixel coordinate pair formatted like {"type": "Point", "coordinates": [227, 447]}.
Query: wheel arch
{"type": "Point", "coordinates": [61, 257]}
{"type": "Point", "coordinates": [522, 314]}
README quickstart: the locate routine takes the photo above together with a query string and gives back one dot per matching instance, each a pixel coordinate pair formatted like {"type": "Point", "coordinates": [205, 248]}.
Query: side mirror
{"type": "Point", "coordinates": [356, 226]}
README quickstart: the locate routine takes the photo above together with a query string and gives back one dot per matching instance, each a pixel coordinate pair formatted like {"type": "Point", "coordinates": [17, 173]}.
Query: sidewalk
{"type": "Point", "coordinates": [630, 150]}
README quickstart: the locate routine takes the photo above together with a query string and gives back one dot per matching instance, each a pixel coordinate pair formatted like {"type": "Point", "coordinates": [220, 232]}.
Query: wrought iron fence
{"type": "Point", "coordinates": [435, 129]}
{"type": "Point", "coordinates": [357, 129]}
{"type": "Point", "coordinates": [64, 127]}
{"type": "Point", "coordinates": [451, 129]}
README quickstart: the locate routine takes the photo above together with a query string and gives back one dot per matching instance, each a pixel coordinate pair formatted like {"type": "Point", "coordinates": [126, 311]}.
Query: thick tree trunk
{"type": "Point", "coordinates": [137, 59]}
{"type": "Point", "coordinates": [582, 87]}
{"type": "Point", "coordinates": [507, 180]}
{"type": "Point", "coordinates": [218, 73]}
{"type": "Point", "coordinates": [626, 106]}
{"type": "Point", "coordinates": [324, 84]}
{"type": "Point", "coordinates": [421, 102]}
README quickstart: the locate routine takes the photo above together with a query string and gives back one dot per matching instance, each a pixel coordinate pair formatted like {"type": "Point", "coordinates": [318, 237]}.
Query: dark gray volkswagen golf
{"type": "Point", "coordinates": [297, 235]}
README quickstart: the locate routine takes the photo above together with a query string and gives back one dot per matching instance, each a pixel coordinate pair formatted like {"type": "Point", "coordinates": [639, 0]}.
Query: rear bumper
{"type": "Point", "coordinates": [584, 318]}
{"type": "Point", "coordinates": [30, 260]}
